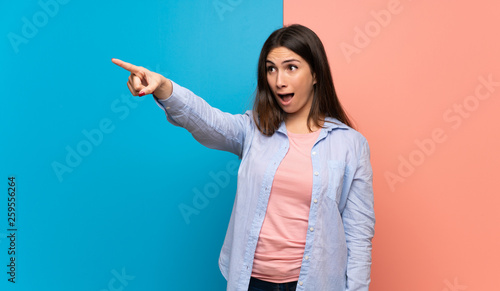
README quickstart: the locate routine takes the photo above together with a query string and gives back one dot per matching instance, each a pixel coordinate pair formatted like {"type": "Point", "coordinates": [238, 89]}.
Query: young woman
{"type": "Point", "coordinates": [303, 215]}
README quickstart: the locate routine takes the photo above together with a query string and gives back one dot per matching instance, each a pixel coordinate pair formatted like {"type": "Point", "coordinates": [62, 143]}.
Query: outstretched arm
{"type": "Point", "coordinates": [209, 126]}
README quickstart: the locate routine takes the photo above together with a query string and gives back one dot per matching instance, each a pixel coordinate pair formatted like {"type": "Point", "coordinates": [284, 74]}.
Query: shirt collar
{"type": "Point", "coordinates": [333, 123]}
{"type": "Point", "coordinates": [329, 125]}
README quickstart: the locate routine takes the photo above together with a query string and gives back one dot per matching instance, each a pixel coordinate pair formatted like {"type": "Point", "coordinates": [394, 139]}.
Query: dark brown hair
{"type": "Point", "coordinates": [268, 115]}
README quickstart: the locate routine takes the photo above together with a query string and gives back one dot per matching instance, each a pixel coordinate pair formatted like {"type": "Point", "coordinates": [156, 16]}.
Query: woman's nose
{"type": "Point", "coordinates": [280, 80]}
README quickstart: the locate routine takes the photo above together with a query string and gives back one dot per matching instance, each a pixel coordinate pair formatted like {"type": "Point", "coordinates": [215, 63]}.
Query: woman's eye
{"type": "Point", "coordinates": [292, 67]}
{"type": "Point", "coordinates": [271, 69]}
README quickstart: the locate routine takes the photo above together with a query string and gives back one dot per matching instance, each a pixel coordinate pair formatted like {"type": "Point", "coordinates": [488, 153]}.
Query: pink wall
{"type": "Point", "coordinates": [414, 75]}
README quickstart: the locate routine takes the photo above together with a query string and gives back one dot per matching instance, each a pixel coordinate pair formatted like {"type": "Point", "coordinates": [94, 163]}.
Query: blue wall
{"type": "Point", "coordinates": [100, 175]}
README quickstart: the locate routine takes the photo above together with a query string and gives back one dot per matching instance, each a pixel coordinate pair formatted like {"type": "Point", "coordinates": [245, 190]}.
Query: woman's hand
{"type": "Point", "coordinates": [143, 82]}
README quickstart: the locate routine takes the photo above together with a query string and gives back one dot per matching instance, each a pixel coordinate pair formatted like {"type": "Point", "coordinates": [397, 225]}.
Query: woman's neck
{"type": "Point", "coordinates": [299, 125]}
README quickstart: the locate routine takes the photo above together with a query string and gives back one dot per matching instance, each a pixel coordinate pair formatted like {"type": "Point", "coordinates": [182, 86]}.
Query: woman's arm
{"type": "Point", "coordinates": [209, 126]}
{"type": "Point", "coordinates": [359, 224]}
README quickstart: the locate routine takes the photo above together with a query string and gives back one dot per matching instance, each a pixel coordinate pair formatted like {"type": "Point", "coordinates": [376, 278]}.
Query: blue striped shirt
{"type": "Point", "coordinates": [337, 254]}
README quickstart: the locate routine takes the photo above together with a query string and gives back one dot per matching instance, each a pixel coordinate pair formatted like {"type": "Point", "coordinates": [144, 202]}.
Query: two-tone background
{"type": "Point", "coordinates": [109, 196]}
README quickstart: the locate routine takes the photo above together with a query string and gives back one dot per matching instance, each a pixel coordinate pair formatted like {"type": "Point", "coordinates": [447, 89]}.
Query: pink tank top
{"type": "Point", "coordinates": [282, 239]}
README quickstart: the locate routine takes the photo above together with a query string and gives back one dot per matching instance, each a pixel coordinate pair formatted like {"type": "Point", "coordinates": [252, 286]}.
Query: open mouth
{"type": "Point", "coordinates": [286, 97]}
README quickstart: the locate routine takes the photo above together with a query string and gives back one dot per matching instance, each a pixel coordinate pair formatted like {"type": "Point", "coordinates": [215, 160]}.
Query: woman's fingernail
{"type": "Point", "coordinates": [141, 93]}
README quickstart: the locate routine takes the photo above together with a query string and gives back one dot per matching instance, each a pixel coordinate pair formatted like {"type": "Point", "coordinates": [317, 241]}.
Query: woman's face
{"type": "Point", "coordinates": [291, 81]}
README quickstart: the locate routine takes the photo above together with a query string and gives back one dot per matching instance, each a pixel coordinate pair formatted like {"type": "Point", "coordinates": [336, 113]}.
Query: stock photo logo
{"type": "Point", "coordinates": [93, 137]}
{"type": "Point", "coordinates": [364, 36]}
{"type": "Point", "coordinates": [32, 25]}
{"type": "Point", "coordinates": [454, 116]}
{"type": "Point", "coordinates": [201, 199]}
{"type": "Point", "coordinates": [455, 286]}
{"type": "Point", "coordinates": [223, 6]}
{"type": "Point", "coordinates": [119, 280]}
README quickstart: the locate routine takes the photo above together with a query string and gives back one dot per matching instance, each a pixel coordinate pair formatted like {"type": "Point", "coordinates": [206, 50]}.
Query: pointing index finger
{"type": "Point", "coordinates": [127, 66]}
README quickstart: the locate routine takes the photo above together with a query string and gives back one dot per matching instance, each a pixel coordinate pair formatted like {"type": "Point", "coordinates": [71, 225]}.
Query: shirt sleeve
{"type": "Point", "coordinates": [208, 125]}
{"type": "Point", "coordinates": [359, 224]}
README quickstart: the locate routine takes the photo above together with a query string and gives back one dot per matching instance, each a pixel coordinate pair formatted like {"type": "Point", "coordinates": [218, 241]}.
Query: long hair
{"type": "Point", "coordinates": [268, 115]}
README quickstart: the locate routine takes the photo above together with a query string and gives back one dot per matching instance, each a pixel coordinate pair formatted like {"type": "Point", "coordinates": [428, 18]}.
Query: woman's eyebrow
{"type": "Point", "coordinates": [285, 61]}
{"type": "Point", "coordinates": [290, 60]}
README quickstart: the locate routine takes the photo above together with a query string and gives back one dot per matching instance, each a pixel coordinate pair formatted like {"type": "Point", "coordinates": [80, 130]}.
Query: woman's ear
{"type": "Point", "coordinates": [314, 77]}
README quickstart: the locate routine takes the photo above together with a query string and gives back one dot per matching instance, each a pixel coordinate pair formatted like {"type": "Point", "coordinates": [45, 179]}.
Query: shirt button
{"type": "Point", "coordinates": [311, 228]}
{"type": "Point", "coordinates": [314, 153]}
{"type": "Point", "coordinates": [307, 257]}
{"type": "Point", "coordinates": [301, 283]}
{"type": "Point", "coordinates": [168, 107]}
{"type": "Point", "coordinates": [316, 173]}
{"type": "Point", "coordinates": [315, 200]}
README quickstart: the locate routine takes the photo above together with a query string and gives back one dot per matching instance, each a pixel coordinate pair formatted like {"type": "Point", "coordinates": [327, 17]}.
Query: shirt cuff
{"type": "Point", "coordinates": [167, 103]}
{"type": "Point", "coordinates": [174, 106]}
